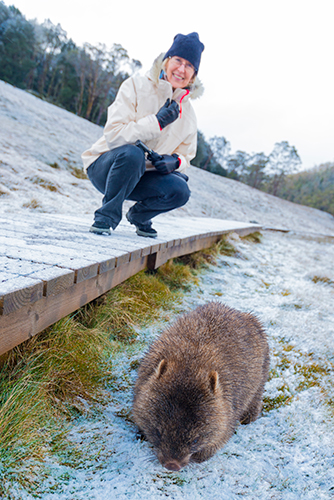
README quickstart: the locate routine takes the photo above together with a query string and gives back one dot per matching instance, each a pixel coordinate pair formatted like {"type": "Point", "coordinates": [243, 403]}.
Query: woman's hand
{"type": "Point", "coordinates": [167, 163]}
{"type": "Point", "coordinates": [168, 113]}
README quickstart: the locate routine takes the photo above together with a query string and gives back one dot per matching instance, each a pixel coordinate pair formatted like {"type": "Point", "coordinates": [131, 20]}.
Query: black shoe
{"type": "Point", "coordinates": [100, 228]}
{"type": "Point", "coordinates": [142, 229]}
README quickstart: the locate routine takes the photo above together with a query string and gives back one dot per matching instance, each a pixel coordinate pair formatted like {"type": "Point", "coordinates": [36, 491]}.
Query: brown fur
{"type": "Point", "coordinates": [203, 375]}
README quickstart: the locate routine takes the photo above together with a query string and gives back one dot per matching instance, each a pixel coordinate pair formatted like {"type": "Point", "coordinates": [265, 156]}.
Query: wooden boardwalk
{"type": "Point", "coordinates": [50, 265]}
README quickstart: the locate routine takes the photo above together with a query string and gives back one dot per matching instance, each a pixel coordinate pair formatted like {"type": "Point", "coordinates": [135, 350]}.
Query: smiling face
{"type": "Point", "coordinates": [179, 72]}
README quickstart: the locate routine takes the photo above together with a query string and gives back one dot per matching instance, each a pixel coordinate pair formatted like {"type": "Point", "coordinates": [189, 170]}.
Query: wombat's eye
{"type": "Point", "coordinates": [193, 445]}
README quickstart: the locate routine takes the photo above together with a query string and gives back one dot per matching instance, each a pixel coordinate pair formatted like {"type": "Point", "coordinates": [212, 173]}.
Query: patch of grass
{"type": "Point", "coordinates": [54, 165]}
{"type": "Point", "coordinates": [311, 375]}
{"type": "Point", "coordinates": [33, 203]}
{"type": "Point", "coordinates": [43, 183]}
{"type": "Point", "coordinates": [322, 279]}
{"type": "Point", "coordinates": [282, 399]}
{"type": "Point", "coordinates": [45, 383]}
{"type": "Point", "coordinates": [171, 478]}
{"type": "Point", "coordinates": [307, 371]}
{"type": "Point", "coordinates": [79, 173]}
{"type": "Point", "coordinates": [177, 275]}
{"type": "Point", "coordinates": [225, 247]}
{"type": "Point", "coordinates": [253, 237]}
{"type": "Point", "coordinates": [136, 302]}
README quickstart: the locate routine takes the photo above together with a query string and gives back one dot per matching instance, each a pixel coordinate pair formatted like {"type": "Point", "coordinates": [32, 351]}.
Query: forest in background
{"type": "Point", "coordinates": [84, 80]}
{"type": "Point", "coordinates": [40, 58]}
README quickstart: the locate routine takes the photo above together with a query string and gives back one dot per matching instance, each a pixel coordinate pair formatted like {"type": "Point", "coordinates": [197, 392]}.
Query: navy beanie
{"type": "Point", "coordinates": [188, 47]}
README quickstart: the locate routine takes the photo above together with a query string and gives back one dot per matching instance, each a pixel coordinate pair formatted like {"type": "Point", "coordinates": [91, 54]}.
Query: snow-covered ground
{"type": "Point", "coordinates": [288, 453]}
{"type": "Point", "coordinates": [287, 281]}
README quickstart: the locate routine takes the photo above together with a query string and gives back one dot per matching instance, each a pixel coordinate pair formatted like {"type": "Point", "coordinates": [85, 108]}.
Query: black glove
{"type": "Point", "coordinates": [153, 157]}
{"type": "Point", "coordinates": [168, 113]}
{"type": "Point", "coordinates": [167, 164]}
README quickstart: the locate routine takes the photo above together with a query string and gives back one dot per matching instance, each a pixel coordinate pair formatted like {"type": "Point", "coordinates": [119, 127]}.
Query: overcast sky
{"type": "Point", "coordinates": [267, 67]}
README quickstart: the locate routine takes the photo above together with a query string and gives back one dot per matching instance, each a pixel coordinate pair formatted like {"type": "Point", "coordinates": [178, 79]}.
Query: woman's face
{"type": "Point", "coordinates": [179, 72]}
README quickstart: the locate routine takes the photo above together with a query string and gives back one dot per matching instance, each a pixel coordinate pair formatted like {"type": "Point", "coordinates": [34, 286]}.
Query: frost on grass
{"type": "Point", "coordinates": [285, 454]}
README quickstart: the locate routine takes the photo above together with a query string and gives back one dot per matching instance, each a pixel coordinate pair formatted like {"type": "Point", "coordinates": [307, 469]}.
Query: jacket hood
{"type": "Point", "coordinates": [196, 89]}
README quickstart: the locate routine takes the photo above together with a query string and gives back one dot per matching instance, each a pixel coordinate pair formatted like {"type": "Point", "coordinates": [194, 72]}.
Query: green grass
{"type": "Point", "coordinates": [308, 373]}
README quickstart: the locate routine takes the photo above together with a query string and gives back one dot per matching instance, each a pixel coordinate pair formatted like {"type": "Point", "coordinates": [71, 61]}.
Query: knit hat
{"type": "Point", "coordinates": [188, 47]}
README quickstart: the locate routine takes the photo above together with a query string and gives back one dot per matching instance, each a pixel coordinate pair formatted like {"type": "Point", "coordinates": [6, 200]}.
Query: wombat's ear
{"type": "Point", "coordinates": [162, 367]}
{"type": "Point", "coordinates": [214, 381]}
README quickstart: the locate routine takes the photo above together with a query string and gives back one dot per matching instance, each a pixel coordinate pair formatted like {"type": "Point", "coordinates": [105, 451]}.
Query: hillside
{"type": "Point", "coordinates": [314, 188]}
{"type": "Point", "coordinates": [40, 169]}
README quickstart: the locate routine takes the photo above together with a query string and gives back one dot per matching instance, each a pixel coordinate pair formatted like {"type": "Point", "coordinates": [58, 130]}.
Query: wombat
{"type": "Point", "coordinates": [201, 376]}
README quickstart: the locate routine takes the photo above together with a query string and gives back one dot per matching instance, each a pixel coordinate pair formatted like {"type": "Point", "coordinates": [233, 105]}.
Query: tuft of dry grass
{"type": "Point", "coordinates": [44, 184]}
{"type": "Point", "coordinates": [77, 172]}
{"type": "Point", "coordinates": [136, 302]}
{"type": "Point", "coordinates": [33, 203]}
{"type": "Point", "coordinates": [322, 279]}
{"type": "Point", "coordinates": [255, 237]}
{"type": "Point", "coordinates": [45, 382]}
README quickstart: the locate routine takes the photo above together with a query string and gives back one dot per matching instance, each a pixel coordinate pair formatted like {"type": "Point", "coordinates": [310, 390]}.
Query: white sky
{"type": "Point", "coordinates": [267, 67]}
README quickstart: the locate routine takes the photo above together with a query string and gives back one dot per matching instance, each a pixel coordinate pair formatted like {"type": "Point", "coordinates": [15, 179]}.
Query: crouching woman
{"type": "Point", "coordinates": [155, 109]}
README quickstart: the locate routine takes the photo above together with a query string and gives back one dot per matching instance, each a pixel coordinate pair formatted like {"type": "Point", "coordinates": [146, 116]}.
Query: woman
{"type": "Point", "coordinates": [156, 110]}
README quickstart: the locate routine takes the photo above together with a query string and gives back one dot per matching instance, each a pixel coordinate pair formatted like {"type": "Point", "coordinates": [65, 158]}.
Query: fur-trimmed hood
{"type": "Point", "coordinates": [196, 89]}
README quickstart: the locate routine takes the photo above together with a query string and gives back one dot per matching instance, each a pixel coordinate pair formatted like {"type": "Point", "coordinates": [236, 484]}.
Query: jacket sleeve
{"type": "Point", "coordinates": [123, 126]}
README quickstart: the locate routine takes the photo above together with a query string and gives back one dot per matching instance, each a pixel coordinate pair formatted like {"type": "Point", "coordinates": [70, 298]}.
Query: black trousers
{"type": "Point", "coordinates": [120, 174]}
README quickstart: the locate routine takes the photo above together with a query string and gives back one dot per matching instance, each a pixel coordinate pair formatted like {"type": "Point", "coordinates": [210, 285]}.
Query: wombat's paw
{"type": "Point", "coordinates": [140, 436]}
{"type": "Point", "coordinates": [246, 419]}
{"type": "Point", "coordinates": [252, 413]}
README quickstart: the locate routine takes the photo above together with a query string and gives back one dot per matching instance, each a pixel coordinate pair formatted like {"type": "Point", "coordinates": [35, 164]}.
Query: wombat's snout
{"type": "Point", "coordinates": [173, 465]}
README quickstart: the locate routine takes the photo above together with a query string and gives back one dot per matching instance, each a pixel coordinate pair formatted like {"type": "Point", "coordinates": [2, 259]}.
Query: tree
{"type": "Point", "coordinates": [254, 172]}
{"type": "Point", "coordinates": [237, 164]}
{"type": "Point", "coordinates": [51, 39]}
{"type": "Point", "coordinates": [220, 148]}
{"type": "Point", "coordinates": [283, 160]}
{"type": "Point", "coordinates": [205, 157]}
{"type": "Point", "coordinates": [17, 44]}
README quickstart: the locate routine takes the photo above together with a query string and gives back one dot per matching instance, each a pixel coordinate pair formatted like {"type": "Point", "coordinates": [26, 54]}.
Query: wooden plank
{"type": "Point", "coordinates": [188, 245]}
{"type": "Point", "coordinates": [18, 292]}
{"type": "Point", "coordinates": [54, 259]}
{"type": "Point", "coordinates": [5, 276]}
{"type": "Point", "coordinates": [55, 279]}
{"type": "Point", "coordinates": [86, 272]}
{"type": "Point", "coordinates": [24, 323]}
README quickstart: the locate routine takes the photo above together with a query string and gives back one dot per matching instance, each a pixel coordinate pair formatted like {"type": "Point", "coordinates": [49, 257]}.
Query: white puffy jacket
{"type": "Point", "coordinates": [132, 116]}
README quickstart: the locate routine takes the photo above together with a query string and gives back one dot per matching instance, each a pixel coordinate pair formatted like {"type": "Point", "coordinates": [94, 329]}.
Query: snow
{"type": "Point", "coordinates": [288, 453]}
